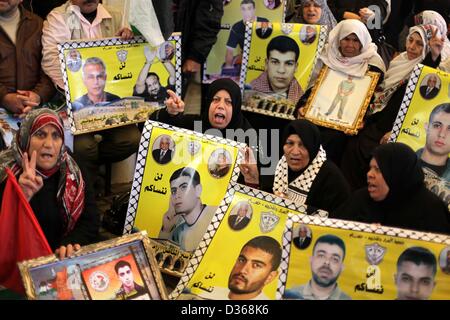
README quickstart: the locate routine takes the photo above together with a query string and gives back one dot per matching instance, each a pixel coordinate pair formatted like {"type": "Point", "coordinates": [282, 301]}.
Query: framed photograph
{"type": "Point", "coordinates": [119, 269]}
{"type": "Point", "coordinates": [339, 101]}
{"type": "Point", "coordinates": [423, 122]}
{"type": "Point", "coordinates": [277, 66]}
{"type": "Point", "coordinates": [113, 82]}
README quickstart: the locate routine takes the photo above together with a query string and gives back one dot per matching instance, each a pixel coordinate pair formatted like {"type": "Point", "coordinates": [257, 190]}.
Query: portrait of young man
{"type": "Point", "coordinates": [416, 270]}
{"type": "Point", "coordinates": [434, 156]}
{"type": "Point", "coordinates": [327, 264]}
{"type": "Point", "coordinates": [281, 63]}
{"type": "Point", "coordinates": [129, 289]}
{"type": "Point", "coordinates": [187, 218]}
{"type": "Point", "coordinates": [255, 267]}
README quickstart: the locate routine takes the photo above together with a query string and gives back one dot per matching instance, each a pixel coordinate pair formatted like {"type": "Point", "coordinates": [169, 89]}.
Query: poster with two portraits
{"type": "Point", "coordinates": [112, 82]}
{"type": "Point", "coordinates": [423, 123]}
{"type": "Point", "coordinates": [181, 177]}
{"type": "Point", "coordinates": [280, 253]}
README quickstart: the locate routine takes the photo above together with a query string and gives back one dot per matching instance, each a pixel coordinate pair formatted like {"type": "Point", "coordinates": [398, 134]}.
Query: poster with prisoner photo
{"type": "Point", "coordinates": [423, 123]}
{"type": "Point", "coordinates": [277, 68]}
{"type": "Point", "coordinates": [339, 101]}
{"type": "Point", "coordinates": [255, 220]}
{"type": "Point", "coordinates": [349, 260]}
{"type": "Point", "coordinates": [225, 57]}
{"type": "Point", "coordinates": [112, 82]}
{"type": "Point", "coordinates": [118, 269]}
{"type": "Point", "coordinates": [180, 178]}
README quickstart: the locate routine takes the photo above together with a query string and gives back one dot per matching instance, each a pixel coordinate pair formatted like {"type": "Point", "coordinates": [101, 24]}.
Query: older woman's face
{"type": "Point", "coordinates": [312, 12]}
{"type": "Point", "coordinates": [377, 186]}
{"type": "Point", "coordinates": [47, 143]}
{"type": "Point", "coordinates": [220, 110]}
{"type": "Point", "coordinates": [414, 46]}
{"type": "Point", "coordinates": [297, 156]}
{"type": "Point", "coordinates": [350, 46]}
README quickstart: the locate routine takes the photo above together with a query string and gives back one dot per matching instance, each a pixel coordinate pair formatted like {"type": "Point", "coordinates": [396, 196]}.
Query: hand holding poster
{"type": "Point", "coordinates": [118, 269]}
{"type": "Point", "coordinates": [423, 123]}
{"type": "Point", "coordinates": [180, 178]}
{"type": "Point", "coordinates": [112, 82]}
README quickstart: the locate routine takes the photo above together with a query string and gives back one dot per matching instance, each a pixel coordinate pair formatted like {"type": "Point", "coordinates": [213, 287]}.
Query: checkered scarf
{"type": "Point", "coordinates": [298, 189]}
{"type": "Point", "coordinates": [262, 84]}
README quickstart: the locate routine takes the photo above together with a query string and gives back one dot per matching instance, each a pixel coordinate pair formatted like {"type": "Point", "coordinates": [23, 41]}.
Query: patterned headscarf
{"type": "Point", "coordinates": [435, 19]}
{"type": "Point", "coordinates": [71, 185]}
{"type": "Point", "coordinates": [326, 18]}
{"type": "Point", "coordinates": [400, 70]}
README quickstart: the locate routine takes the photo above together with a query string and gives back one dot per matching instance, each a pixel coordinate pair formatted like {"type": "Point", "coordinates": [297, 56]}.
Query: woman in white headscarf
{"type": "Point", "coordinates": [423, 45]}
{"type": "Point", "coordinates": [350, 50]}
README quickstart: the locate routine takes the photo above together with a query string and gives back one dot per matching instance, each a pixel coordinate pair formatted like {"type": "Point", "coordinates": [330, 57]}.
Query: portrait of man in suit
{"type": "Point", "coordinates": [240, 216]}
{"type": "Point", "coordinates": [163, 154]}
{"type": "Point", "coordinates": [432, 87]}
{"type": "Point", "coordinates": [303, 239]}
{"type": "Point", "coordinates": [263, 29]}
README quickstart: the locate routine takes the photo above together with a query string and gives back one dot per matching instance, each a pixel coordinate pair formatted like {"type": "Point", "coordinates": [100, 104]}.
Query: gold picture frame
{"type": "Point", "coordinates": [118, 269]}
{"type": "Point", "coordinates": [349, 95]}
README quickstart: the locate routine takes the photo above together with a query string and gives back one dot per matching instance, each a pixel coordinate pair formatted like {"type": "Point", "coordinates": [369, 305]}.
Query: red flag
{"type": "Point", "coordinates": [21, 237]}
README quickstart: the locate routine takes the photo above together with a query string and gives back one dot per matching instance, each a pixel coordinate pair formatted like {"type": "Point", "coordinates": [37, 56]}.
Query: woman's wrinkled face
{"type": "Point", "coordinates": [220, 110]}
{"type": "Point", "coordinates": [376, 185]}
{"type": "Point", "coordinates": [312, 12]}
{"type": "Point", "coordinates": [47, 143]}
{"type": "Point", "coordinates": [297, 156]}
{"type": "Point", "coordinates": [414, 46]}
{"type": "Point", "coordinates": [350, 46]}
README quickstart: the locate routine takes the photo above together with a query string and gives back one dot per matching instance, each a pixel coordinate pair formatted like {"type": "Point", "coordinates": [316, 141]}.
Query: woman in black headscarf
{"type": "Point", "coordinates": [224, 100]}
{"type": "Point", "coordinates": [396, 195]}
{"type": "Point", "coordinates": [303, 174]}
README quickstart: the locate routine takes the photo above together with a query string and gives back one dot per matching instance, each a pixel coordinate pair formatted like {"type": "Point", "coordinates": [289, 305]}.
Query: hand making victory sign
{"type": "Point", "coordinates": [29, 181]}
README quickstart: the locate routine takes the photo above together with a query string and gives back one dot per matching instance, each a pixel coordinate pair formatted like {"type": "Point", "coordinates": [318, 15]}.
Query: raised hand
{"type": "Point", "coordinates": [150, 54]}
{"type": "Point", "coordinates": [248, 166]}
{"type": "Point", "coordinates": [174, 103]}
{"type": "Point", "coordinates": [436, 44]}
{"type": "Point", "coordinates": [29, 181]}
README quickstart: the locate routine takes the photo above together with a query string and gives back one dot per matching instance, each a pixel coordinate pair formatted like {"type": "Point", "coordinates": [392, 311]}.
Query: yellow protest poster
{"type": "Point", "coordinates": [225, 57]}
{"type": "Point", "coordinates": [112, 82]}
{"type": "Point", "coordinates": [181, 176]}
{"type": "Point", "coordinates": [343, 260]}
{"type": "Point", "coordinates": [423, 123]}
{"type": "Point", "coordinates": [277, 66]}
{"type": "Point", "coordinates": [240, 255]}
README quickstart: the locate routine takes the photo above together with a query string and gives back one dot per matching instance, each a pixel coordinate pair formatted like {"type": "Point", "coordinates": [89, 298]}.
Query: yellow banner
{"type": "Point", "coordinates": [247, 267]}
{"type": "Point", "coordinates": [337, 263]}
{"type": "Point", "coordinates": [424, 125]}
{"type": "Point", "coordinates": [111, 83]}
{"type": "Point", "coordinates": [181, 181]}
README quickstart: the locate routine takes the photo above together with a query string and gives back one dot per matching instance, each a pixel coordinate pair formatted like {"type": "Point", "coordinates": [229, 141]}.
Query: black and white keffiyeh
{"type": "Point", "coordinates": [298, 189]}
